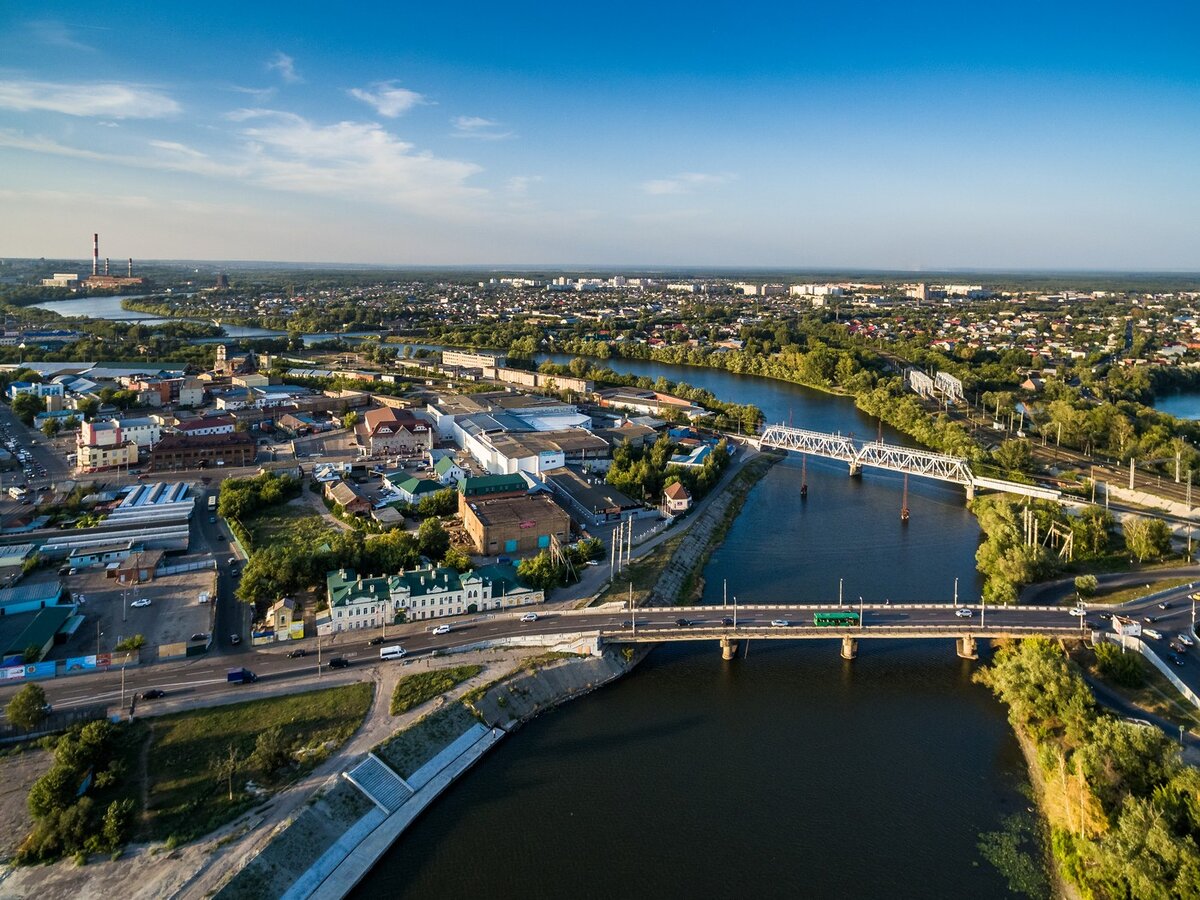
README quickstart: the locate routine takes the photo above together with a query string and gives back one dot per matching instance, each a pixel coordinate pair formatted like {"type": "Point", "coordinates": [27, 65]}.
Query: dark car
{"type": "Point", "coordinates": [339, 662]}
{"type": "Point", "coordinates": [235, 639]}
{"type": "Point", "coordinates": [682, 623]}
{"type": "Point", "coordinates": [1164, 605]}
{"type": "Point", "coordinates": [1149, 620]}
{"type": "Point", "coordinates": [727, 621]}
{"type": "Point", "coordinates": [295, 654]}
{"type": "Point", "coordinates": [376, 641]}
{"type": "Point", "coordinates": [153, 694]}
{"type": "Point", "coordinates": [1178, 660]}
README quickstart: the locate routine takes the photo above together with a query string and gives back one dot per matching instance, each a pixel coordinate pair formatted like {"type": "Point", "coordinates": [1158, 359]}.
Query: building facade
{"type": "Point", "coordinates": [177, 451]}
{"type": "Point", "coordinates": [515, 525]}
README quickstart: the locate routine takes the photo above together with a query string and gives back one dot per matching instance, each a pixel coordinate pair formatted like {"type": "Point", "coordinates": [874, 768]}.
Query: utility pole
{"type": "Point", "coordinates": [840, 580]}
{"type": "Point", "coordinates": [955, 593]}
{"type": "Point", "coordinates": [1131, 473]}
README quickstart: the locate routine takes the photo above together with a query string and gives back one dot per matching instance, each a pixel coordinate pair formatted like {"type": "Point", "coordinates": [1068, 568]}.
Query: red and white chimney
{"type": "Point", "coordinates": [95, 254]}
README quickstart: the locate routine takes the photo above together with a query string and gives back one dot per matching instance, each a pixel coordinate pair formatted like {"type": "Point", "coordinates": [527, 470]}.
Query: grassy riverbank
{"type": "Point", "coordinates": [671, 573]}
{"type": "Point", "coordinates": [1120, 806]}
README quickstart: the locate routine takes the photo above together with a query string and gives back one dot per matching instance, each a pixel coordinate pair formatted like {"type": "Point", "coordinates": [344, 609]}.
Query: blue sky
{"type": "Point", "coordinates": [907, 136]}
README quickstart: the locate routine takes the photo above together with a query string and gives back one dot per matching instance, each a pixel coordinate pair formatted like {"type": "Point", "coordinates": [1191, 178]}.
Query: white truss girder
{"type": "Point", "coordinates": [875, 453]}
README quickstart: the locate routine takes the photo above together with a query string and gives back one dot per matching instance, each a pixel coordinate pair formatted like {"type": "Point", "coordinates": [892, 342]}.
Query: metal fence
{"type": "Point", "coordinates": [57, 720]}
{"type": "Point", "coordinates": [193, 566]}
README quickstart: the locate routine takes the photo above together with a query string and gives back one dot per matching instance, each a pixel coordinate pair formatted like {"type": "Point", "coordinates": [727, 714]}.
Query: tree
{"type": "Point", "coordinates": [225, 766]}
{"type": "Point", "coordinates": [1014, 455]}
{"type": "Point", "coordinates": [457, 559]}
{"type": "Point", "coordinates": [117, 819]}
{"type": "Point", "coordinates": [439, 503]}
{"type": "Point", "coordinates": [27, 708]}
{"type": "Point", "coordinates": [26, 406]}
{"type": "Point", "coordinates": [1085, 585]}
{"type": "Point", "coordinates": [1146, 538]}
{"type": "Point", "coordinates": [51, 427]}
{"type": "Point", "coordinates": [432, 539]}
{"type": "Point", "coordinates": [350, 419]}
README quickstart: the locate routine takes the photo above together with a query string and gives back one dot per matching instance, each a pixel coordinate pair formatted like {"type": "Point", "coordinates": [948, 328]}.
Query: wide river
{"type": "Point", "coordinates": [785, 773]}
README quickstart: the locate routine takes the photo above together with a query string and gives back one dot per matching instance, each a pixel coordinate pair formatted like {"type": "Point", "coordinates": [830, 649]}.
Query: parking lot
{"type": "Point", "coordinates": [173, 614]}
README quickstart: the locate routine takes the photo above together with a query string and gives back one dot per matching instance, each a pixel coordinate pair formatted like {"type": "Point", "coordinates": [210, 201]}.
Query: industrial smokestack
{"type": "Point", "coordinates": [95, 254]}
{"type": "Point", "coordinates": [106, 266]}
{"type": "Point", "coordinates": [131, 267]}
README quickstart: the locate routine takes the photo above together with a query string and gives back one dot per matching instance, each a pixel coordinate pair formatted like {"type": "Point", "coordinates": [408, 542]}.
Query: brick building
{"type": "Point", "coordinates": [177, 451]}
{"type": "Point", "coordinates": [515, 525]}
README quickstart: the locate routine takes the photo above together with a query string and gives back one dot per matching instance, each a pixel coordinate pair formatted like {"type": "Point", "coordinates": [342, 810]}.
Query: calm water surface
{"type": "Point", "coordinates": [1182, 405]}
{"type": "Point", "coordinates": [785, 773]}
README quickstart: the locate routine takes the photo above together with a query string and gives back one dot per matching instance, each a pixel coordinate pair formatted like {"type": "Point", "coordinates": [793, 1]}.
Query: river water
{"type": "Point", "coordinates": [785, 773]}
{"type": "Point", "coordinates": [1181, 404]}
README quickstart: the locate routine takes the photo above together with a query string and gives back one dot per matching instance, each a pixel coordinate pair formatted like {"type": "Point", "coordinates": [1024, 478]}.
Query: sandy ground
{"type": "Point", "coordinates": [17, 773]}
{"type": "Point", "coordinates": [197, 870]}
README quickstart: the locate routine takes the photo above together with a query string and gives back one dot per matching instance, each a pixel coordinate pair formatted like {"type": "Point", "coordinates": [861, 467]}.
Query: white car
{"type": "Point", "coordinates": [529, 617]}
{"type": "Point", "coordinates": [963, 613]}
{"type": "Point", "coordinates": [1185, 640]}
{"type": "Point", "coordinates": [1078, 611]}
{"type": "Point", "coordinates": [441, 629]}
{"type": "Point", "coordinates": [780, 623]}
{"type": "Point", "coordinates": [138, 604]}
{"type": "Point", "coordinates": [1151, 633]}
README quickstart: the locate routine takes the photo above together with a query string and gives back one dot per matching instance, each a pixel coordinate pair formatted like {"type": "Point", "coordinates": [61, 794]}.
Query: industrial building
{"type": "Point", "coordinates": [515, 525]}
{"type": "Point", "coordinates": [177, 451]}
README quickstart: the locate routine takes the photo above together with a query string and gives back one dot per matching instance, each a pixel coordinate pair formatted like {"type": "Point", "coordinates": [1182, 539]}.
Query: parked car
{"type": "Point", "coordinates": [339, 662]}
{"type": "Point", "coordinates": [153, 694]}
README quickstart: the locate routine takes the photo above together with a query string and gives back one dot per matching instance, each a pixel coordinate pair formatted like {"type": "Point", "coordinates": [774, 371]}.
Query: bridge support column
{"type": "Point", "coordinates": [966, 647]}
{"type": "Point", "coordinates": [728, 648]}
{"type": "Point", "coordinates": [855, 468]}
{"type": "Point", "coordinates": [849, 647]}
{"type": "Point", "coordinates": [970, 492]}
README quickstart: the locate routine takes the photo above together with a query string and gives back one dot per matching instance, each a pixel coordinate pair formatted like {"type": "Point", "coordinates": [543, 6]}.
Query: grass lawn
{"type": "Point", "coordinates": [186, 800]}
{"type": "Point", "coordinates": [413, 690]}
{"type": "Point", "coordinates": [1133, 593]}
{"type": "Point", "coordinates": [644, 572]}
{"type": "Point", "coordinates": [281, 524]}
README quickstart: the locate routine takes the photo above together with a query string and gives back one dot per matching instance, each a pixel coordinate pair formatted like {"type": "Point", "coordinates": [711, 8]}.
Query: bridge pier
{"type": "Point", "coordinates": [849, 647]}
{"type": "Point", "coordinates": [855, 468]}
{"type": "Point", "coordinates": [728, 648]}
{"type": "Point", "coordinates": [966, 647]}
{"type": "Point", "coordinates": [970, 492]}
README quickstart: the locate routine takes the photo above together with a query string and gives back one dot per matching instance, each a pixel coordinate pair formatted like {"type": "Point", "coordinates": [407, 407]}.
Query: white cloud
{"type": "Point", "coordinates": [257, 93]}
{"type": "Point", "coordinates": [684, 183]}
{"type": "Point", "coordinates": [176, 147]}
{"type": "Point", "coordinates": [519, 185]}
{"type": "Point", "coordinates": [59, 34]}
{"type": "Point", "coordinates": [478, 128]}
{"type": "Point", "coordinates": [286, 67]}
{"type": "Point", "coordinates": [109, 99]}
{"type": "Point", "coordinates": [388, 99]}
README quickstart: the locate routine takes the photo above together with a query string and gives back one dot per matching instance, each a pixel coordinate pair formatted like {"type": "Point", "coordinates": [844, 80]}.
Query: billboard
{"type": "Point", "coordinates": [14, 672]}
{"type": "Point", "coordinates": [41, 670]}
{"type": "Point", "coordinates": [1126, 627]}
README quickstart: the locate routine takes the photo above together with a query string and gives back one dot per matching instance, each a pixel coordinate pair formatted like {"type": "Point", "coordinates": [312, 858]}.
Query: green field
{"type": "Point", "coordinates": [413, 690]}
{"type": "Point", "coordinates": [184, 797]}
{"type": "Point", "coordinates": [280, 524]}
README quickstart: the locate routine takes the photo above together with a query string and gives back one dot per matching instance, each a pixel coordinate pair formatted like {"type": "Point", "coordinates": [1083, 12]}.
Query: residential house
{"type": "Point", "coordinates": [676, 499]}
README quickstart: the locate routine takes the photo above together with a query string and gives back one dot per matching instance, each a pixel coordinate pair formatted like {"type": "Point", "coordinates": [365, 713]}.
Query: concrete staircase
{"type": "Point", "coordinates": [379, 783]}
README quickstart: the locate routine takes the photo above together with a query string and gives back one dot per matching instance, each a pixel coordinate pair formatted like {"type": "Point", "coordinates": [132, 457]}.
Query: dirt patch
{"type": "Point", "coordinates": [18, 772]}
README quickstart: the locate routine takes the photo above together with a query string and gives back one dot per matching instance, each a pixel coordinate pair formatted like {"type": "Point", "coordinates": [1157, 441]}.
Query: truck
{"type": "Point", "coordinates": [212, 501]}
{"type": "Point", "coordinates": [240, 676]}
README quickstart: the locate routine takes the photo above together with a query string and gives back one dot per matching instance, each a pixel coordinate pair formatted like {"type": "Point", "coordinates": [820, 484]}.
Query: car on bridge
{"type": "Point", "coordinates": [963, 613]}
{"type": "Point", "coordinates": [780, 623]}
{"type": "Point", "coordinates": [682, 623]}
{"type": "Point", "coordinates": [727, 621]}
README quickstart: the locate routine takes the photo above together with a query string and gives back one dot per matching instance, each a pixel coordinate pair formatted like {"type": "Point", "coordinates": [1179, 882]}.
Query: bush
{"type": "Point", "coordinates": [1085, 585]}
{"type": "Point", "coordinates": [136, 642]}
{"type": "Point", "coordinates": [1125, 669]}
{"type": "Point", "coordinates": [272, 752]}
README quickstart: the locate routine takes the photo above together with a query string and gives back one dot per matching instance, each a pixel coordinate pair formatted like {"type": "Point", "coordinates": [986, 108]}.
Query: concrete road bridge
{"type": "Point", "coordinates": [895, 458]}
{"type": "Point", "coordinates": [728, 625]}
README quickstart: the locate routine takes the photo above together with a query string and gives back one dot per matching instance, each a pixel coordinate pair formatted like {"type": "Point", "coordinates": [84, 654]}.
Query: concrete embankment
{"type": "Point", "coordinates": [406, 774]}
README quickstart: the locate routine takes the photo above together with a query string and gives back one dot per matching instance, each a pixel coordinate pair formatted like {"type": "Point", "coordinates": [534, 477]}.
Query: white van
{"type": "Point", "coordinates": [393, 652]}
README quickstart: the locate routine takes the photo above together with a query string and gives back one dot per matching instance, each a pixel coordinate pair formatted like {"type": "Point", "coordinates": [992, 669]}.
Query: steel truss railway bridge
{"type": "Point", "coordinates": [893, 457]}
